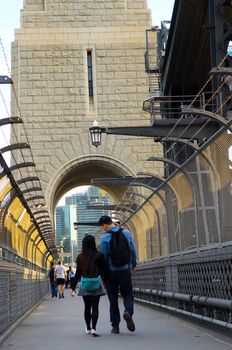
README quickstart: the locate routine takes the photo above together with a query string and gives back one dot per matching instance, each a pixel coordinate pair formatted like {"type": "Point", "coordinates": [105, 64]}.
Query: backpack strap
{"type": "Point", "coordinates": [120, 229]}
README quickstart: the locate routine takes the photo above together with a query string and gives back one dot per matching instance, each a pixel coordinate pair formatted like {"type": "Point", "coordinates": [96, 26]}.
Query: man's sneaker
{"type": "Point", "coordinates": [88, 331]}
{"type": "Point", "coordinates": [115, 330]}
{"type": "Point", "coordinates": [130, 323]}
{"type": "Point", "coordinates": [95, 333]}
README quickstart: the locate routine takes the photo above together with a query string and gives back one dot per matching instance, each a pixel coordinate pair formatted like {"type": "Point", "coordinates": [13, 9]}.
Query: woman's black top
{"type": "Point", "coordinates": [97, 266]}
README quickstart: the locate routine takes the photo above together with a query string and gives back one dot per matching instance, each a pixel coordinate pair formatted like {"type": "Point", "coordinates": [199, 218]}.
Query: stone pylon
{"type": "Point", "coordinates": [74, 61]}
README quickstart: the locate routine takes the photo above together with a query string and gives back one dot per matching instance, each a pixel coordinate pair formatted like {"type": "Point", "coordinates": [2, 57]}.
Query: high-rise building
{"type": "Point", "coordinates": [59, 225]}
{"type": "Point", "coordinates": [93, 196]}
{"type": "Point", "coordinates": [66, 238]}
{"type": "Point", "coordinates": [76, 210]}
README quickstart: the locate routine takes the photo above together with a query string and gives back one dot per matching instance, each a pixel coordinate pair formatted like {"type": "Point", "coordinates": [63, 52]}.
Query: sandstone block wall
{"type": "Point", "coordinates": [49, 63]}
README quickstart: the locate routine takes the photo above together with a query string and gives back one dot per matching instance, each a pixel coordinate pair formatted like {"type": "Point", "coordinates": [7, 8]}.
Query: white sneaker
{"type": "Point", "coordinates": [94, 333]}
{"type": "Point", "coordinates": [88, 331]}
{"type": "Point", "coordinates": [73, 293]}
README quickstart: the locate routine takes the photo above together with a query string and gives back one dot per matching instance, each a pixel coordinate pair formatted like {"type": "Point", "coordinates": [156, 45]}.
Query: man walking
{"type": "Point", "coordinates": [119, 249]}
{"type": "Point", "coordinates": [51, 275]}
{"type": "Point", "coordinates": [60, 275]}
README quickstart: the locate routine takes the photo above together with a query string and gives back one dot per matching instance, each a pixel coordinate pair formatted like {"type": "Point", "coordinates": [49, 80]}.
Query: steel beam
{"type": "Point", "coordinates": [34, 197]}
{"type": "Point", "coordinates": [42, 217]}
{"type": "Point", "coordinates": [47, 231]}
{"type": "Point", "coordinates": [44, 226]}
{"type": "Point", "coordinates": [87, 223]}
{"type": "Point", "coordinates": [101, 207]}
{"type": "Point", "coordinates": [128, 181]}
{"type": "Point", "coordinates": [164, 160]}
{"type": "Point", "coordinates": [33, 189]}
{"type": "Point", "coordinates": [136, 194]}
{"type": "Point", "coordinates": [27, 179]}
{"type": "Point", "coordinates": [131, 208]}
{"type": "Point", "coordinates": [13, 147]}
{"type": "Point", "coordinates": [21, 165]}
{"type": "Point", "coordinates": [44, 223]}
{"type": "Point", "coordinates": [4, 79]}
{"type": "Point", "coordinates": [209, 115]}
{"type": "Point", "coordinates": [13, 120]}
{"type": "Point", "coordinates": [42, 211]}
{"type": "Point", "coordinates": [163, 127]}
{"type": "Point", "coordinates": [106, 207]}
{"type": "Point", "coordinates": [179, 140]}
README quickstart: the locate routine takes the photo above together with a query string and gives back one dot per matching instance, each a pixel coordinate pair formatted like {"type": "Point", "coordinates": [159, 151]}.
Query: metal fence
{"type": "Point", "coordinates": [21, 288]}
{"type": "Point", "coordinates": [196, 283]}
{"type": "Point", "coordinates": [190, 231]}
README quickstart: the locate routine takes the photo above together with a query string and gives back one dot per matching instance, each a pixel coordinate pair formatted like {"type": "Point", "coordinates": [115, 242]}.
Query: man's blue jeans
{"type": "Point", "coordinates": [120, 280]}
{"type": "Point", "coordinates": [53, 288]}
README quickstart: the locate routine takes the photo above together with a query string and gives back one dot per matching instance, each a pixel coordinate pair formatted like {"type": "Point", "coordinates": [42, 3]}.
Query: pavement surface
{"type": "Point", "coordinates": [58, 324]}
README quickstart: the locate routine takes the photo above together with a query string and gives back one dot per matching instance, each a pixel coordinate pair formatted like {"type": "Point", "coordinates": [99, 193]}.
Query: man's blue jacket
{"type": "Point", "coordinates": [105, 249]}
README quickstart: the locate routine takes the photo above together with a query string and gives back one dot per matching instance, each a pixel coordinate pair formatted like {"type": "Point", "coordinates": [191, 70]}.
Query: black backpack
{"type": "Point", "coordinates": [119, 248]}
{"type": "Point", "coordinates": [51, 273]}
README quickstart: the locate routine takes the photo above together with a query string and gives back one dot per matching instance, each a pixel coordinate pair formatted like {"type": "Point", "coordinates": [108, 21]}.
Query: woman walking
{"type": "Point", "coordinates": [91, 269]}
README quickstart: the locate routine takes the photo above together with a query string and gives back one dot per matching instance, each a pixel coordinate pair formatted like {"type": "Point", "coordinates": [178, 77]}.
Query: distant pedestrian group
{"type": "Point", "coordinates": [107, 271]}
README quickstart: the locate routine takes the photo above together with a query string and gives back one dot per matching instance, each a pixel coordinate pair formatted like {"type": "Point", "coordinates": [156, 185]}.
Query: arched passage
{"type": "Point", "coordinates": [80, 171]}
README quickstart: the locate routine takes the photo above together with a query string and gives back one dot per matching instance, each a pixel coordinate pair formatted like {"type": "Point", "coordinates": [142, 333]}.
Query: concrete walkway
{"type": "Point", "coordinates": [58, 324]}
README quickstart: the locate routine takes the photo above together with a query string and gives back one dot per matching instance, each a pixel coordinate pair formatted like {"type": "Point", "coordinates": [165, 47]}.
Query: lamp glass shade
{"type": "Point", "coordinates": [95, 132]}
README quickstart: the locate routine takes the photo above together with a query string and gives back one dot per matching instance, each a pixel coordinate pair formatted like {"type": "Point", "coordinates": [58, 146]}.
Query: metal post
{"type": "Point", "coordinates": [213, 50]}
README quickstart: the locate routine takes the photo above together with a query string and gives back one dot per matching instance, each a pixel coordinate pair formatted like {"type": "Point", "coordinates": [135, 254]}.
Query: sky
{"type": "Point", "coordinates": [10, 19]}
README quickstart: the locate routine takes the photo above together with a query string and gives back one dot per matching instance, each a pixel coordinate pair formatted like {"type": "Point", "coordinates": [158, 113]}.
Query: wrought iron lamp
{"type": "Point", "coordinates": [75, 225]}
{"type": "Point", "coordinates": [96, 132]}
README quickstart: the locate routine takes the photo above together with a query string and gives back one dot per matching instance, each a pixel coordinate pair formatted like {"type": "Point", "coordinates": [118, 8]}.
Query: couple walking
{"type": "Point", "coordinates": [109, 269]}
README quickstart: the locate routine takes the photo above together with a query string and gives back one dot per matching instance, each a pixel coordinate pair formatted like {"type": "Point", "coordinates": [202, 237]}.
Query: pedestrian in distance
{"type": "Point", "coordinates": [119, 249]}
{"type": "Point", "coordinates": [60, 275]}
{"type": "Point", "coordinates": [91, 272]}
{"type": "Point", "coordinates": [51, 276]}
{"type": "Point", "coordinates": [70, 276]}
{"type": "Point", "coordinates": [67, 281]}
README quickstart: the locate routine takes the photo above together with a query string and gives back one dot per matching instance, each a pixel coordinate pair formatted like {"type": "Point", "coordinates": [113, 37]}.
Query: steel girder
{"type": "Point", "coordinates": [128, 181]}
{"type": "Point", "coordinates": [13, 120]}
{"type": "Point", "coordinates": [4, 79]}
{"type": "Point", "coordinates": [14, 146]}
{"type": "Point", "coordinates": [163, 127]}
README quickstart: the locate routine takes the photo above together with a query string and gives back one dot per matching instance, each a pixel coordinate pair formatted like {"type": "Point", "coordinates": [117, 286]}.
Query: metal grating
{"type": "Point", "coordinates": [211, 279]}
{"type": "Point", "coordinates": [20, 289]}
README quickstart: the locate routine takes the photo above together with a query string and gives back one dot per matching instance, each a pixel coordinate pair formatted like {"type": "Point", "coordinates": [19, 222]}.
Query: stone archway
{"type": "Point", "coordinates": [80, 171]}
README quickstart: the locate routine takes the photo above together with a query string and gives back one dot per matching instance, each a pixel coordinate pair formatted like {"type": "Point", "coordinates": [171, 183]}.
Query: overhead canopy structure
{"type": "Point", "coordinates": [21, 229]}
{"type": "Point", "coordinates": [189, 53]}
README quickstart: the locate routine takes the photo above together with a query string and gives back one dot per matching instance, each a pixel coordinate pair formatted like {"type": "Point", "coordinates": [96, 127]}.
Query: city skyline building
{"type": "Point", "coordinates": [76, 210]}
{"type": "Point", "coordinates": [66, 237]}
{"type": "Point", "coordinates": [92, 196]}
